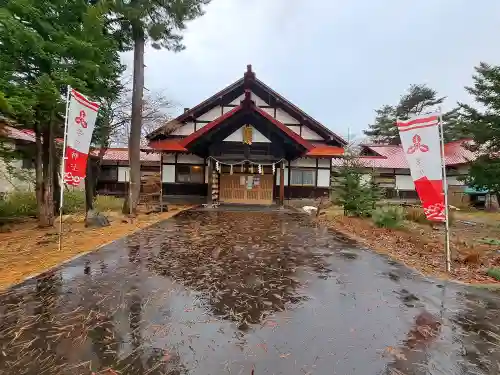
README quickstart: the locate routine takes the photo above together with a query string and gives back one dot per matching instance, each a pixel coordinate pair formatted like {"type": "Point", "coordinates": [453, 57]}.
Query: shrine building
{"type": "Point", "coordinates": [245, 144]}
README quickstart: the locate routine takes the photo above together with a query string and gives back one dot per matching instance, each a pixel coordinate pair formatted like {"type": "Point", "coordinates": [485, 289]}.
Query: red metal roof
{"type": "Point", "coordinates": [121, 154]}
{"type": "Point", "coordinates": [14, 133]}
{"type": "Point", "coordinates": [392, 157]}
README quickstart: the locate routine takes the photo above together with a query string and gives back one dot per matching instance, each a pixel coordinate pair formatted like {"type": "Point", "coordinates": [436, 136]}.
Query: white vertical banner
{"type": "Point", "coordinates": [421, 143]}
{"type": "Point", "coordinates": [82, 115]}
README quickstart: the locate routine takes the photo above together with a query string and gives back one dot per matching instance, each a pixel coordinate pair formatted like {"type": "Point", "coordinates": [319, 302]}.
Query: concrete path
{"type": "Point", "coordinates": [227, 292]}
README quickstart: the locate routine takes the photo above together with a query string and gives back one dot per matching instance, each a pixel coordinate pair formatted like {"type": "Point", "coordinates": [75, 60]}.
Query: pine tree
{"type": "Point", "coordinates": [350, 189]}
{"type": "Point", "coordinates": [483, 125]}
{"type": "Point", "coordinates": [134, 23]}
{"type": "Point", "coordinates": [418, 100]}
{"type": "Point", "coordinates": [46, 45]}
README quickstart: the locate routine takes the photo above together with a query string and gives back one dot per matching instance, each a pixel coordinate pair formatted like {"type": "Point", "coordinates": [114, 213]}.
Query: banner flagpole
{"type": "Point", "coordinates": [445, 190]}
{"type": "Point", "coordinates": [63, 162]}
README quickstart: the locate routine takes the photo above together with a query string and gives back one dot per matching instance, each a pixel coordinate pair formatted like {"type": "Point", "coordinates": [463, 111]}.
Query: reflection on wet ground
{"type": "Point", "coordinates": [236, 292]}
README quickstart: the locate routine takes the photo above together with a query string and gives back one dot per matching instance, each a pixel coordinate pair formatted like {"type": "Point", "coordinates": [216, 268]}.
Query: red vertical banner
{"type": "Point", "coordinates": [82, 115]}
{"type": "Point", "coordinates": [421, 144]}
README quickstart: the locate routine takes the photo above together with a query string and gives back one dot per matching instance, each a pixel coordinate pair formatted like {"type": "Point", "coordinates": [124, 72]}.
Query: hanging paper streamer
{"type": "Point", "coordinates": [217, 166]}
{"type": "Point", "coordinates": [274, 168]}
{"type": "Point", "coordinates": [231, 170]}
{"type": "Point", "coordinates": [241, 168]}
{"type": "Point", "coordinates": [251, 168]}
{"type": "Point", "coordinates": [259, 169]}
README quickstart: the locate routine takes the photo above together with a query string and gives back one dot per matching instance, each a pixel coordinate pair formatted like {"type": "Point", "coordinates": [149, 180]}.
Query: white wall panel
{"type": "Point", "coordinates": [278, 175]}
{"type": "Point", "coordinates": [210, 115]}
{"type": "Point", "coordinates": [269, 111]}
{"type": "Point", "coordinates": [237, 136]}
{"type": "Point", "coordinates": [404, 182]}
{"type": "Point", "coordinates": [227, 109]}
{"type": "Point", "coordinates": [123, 174]}
{"type": "Point", "coordinates": [259, 102]}
{"type": "Point", "coordinates": [453, 181]}
{"type": "Point", "coordinates": [169, 158]}
{"type": "Point", "coordinates": [189, 159]}
{"type": "Point", "coordinates": [310, 135]}
{"type": "Point", "coordinates": [304, 162]}
{"type": "Point", "coordinates": [285, 118]}
{"type": "Point", "coordinates": [186, 129]}
{"type": "Point", "coordinates": [294, 128]}
{"type": "Point", "coordinates": [323, 178]}
{"type": "Point", "coordinates": [168, 173]}
{"type": "Point", "coordinates": [324, 162]}
{"type": "Point", "coordinates": [238, 100]}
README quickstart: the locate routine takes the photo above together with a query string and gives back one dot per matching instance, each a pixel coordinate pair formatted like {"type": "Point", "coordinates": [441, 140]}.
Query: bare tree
{"type": "Point", "coordinates": [156, 110]}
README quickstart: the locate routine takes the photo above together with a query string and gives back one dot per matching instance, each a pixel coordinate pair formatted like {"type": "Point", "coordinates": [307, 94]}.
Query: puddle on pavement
{"type": "Point", "coordinates": [232, 292]}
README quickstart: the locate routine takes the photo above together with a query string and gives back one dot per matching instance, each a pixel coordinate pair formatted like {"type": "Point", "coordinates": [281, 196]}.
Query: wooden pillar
{"type": "Point", "coordinates": [282, 184]}
{"type": "Point", "coordinates": [209, 190]}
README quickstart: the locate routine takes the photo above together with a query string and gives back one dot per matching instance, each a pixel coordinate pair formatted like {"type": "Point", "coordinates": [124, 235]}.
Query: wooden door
{"type": "Point", "coordinates": [232, 189]}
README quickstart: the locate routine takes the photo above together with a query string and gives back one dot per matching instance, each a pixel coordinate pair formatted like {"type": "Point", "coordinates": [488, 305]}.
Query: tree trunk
{"type": "Point", "coordinates": [134, 144]}
{"type": "Point", "coordinates": [57, 183]}
{"type": "Point", "coordinates": [39, 172]}
{"type": "Point", "coordinates": [47, 207]}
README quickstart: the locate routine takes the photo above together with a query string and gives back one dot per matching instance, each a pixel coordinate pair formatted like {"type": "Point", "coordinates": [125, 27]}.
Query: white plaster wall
{"type": "Point", "coordinates": [310, 135]}
{"type": "Point", "coordinates": [453, 181]}
{"type": "Point", "coordinates": [168, 173]}
{"type": "Point", "coordinates": [123, 174]}
{"type": "Point", "coordinates": [324, 162]}
{"type": "Point", "coordinates": [238, 100]}
{"type": "Point", "coordinates": [323, 178]}
{"type": "Point", "coordinates": [404, 182]}
{"type": "Point", "coordinates": [189, 159]}
{"type": "Point", "coordinates": [10, 182]}
{"type": "Point", "coordinates": [294, 128]}
{"type": "Point", "coordinates": [237, 136]}
{"type": "Point", "coordinates": [259, 102]}
{"type": "Point", "coordinates": [304, 162]}
{"type": "Point", "coordinates": [269, 111]}
{"type": "Point", "coordinates": [169, 158]}
{"type": "Point", "coordinates": [285, 118]}
{"type": "Point", "coordinates": [227, 109]}
{"type": "Point", "coordinates": [186, 129]}
{"type": "Point", "coordinates": [211, 115]}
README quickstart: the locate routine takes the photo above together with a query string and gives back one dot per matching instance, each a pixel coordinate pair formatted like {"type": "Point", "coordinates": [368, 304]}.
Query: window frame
{"type": "Point", "coordinates": [190, 166]}
{"type": "Point", "coordinates": [302, 170]}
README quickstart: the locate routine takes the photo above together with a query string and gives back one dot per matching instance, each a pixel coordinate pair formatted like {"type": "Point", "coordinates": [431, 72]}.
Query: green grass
{"type": "Point", "coordinates": [388, 217]}
{"type": "Point", "coordinates": [494, 272]}
{"type": "Point", "coordinates": [23, 203]}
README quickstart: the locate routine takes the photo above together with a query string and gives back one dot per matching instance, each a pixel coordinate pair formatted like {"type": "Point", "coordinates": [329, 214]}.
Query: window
{"type": "Point", "coordinates": [190, 173]}
{"type": "Point", "coordinates": [108, 173]}
{"type": "Point", "coordinates": [303, 177]}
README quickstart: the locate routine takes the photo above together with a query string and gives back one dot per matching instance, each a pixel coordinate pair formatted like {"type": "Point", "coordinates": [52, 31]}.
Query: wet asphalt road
{"type": "Point", "coordinates": [236, 292]}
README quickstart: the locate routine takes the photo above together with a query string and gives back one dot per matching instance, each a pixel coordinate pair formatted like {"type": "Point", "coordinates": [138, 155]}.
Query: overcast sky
{"type": "Point", "coordinates": [337, 60]}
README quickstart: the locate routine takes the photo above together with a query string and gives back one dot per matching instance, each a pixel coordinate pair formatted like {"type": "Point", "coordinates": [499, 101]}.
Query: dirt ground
{"type": "Point", "coordinates": [475, 243]}
{"type": "Point", "coordinates": [26, 250]}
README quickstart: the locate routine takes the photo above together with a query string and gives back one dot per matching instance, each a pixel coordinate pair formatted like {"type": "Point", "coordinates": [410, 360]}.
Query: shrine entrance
{"type": "Point", "coordinates": [246, 188]}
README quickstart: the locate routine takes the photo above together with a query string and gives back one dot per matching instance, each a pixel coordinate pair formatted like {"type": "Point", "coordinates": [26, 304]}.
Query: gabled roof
{"type": "Point", "coordinates": [248, 81]}
{"type": "Point", "coordinates": [251, 107]}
